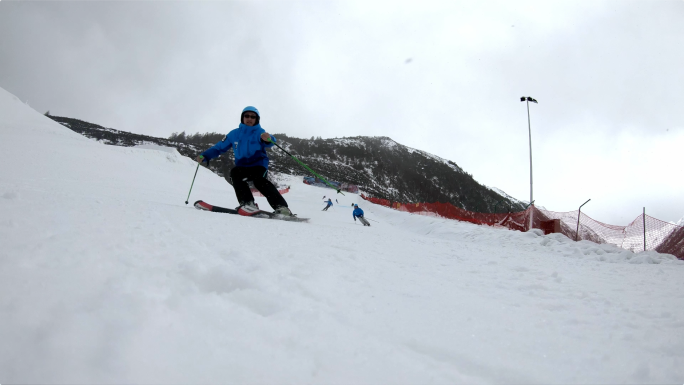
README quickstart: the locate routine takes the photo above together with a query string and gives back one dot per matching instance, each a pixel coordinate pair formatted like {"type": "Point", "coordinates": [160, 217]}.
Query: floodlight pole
{"type": "Point", "coordinates": [529, 127]}
{"type": "Point", "coordinates": [529, 99]}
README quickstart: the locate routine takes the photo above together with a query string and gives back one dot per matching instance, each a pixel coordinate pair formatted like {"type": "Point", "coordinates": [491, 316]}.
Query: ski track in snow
{"type": "Point", "coordinates": [107, 276]}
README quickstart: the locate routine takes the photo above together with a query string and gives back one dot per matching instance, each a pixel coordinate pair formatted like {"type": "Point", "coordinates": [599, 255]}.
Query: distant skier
{"type": "Point", "coordinates": [337, 201]}
{"type": "Point", "coordinates": [329, 205]}
{"type": "Point", "coordinates": [249, 143]}
{"type": "Point", "coordinates": [358, 213]}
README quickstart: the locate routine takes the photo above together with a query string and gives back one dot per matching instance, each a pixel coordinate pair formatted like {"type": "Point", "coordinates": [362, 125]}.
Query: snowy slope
{"type": "Point", "coordinates": [107, 276]}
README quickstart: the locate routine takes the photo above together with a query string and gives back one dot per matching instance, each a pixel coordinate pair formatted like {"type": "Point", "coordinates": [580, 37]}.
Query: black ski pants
{"type": "Point", "coordinates": [239, 176]}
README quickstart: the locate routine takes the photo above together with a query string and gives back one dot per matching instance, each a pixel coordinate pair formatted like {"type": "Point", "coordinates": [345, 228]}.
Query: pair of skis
{"type": "Point", "coordinates": [201, 205]}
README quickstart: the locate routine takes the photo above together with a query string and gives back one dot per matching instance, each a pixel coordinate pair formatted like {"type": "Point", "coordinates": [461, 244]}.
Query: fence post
{"type": "Point", "coordinates": [529, 227]}
{"type": "Point", "coordinates": [579, 214]}
{"type": "Point", "coordinates": [644, 216]}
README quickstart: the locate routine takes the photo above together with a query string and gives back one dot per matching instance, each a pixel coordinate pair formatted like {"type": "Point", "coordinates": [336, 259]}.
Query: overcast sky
{"type": "Point", "coordinates": [443, 77]}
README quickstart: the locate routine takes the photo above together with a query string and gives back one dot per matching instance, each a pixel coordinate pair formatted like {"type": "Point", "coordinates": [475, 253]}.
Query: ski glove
{"type": "Point", "coordinates": [202, 159]}
{"type": "Point", "coordinates": [266, 137]}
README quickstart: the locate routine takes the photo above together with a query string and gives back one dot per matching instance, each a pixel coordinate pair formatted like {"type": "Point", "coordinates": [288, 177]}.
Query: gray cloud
{"type": "Point", "coordinates": [607, 75]}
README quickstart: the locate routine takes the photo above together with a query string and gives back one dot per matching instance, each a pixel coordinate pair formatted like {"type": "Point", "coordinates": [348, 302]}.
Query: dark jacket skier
{"type": "Point", "coordinates": [249, 143]}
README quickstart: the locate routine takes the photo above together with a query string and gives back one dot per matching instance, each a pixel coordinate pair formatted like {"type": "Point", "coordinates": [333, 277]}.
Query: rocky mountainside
{"type": "Point", "coordinates": [380, 166]}
{"type": "Point", "coordinates": [389, 170]}
{"type": "Point", "coordinates": [122, 138]}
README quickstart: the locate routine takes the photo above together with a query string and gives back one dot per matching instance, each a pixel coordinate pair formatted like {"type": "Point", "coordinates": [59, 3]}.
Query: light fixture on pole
{"type": "Point", "coordinates": [529, 99]}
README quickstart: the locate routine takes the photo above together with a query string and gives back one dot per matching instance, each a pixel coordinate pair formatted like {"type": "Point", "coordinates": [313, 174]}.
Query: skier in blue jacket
{"type": "Point", "coordinates": [358, 213]}
{"type": "Point", "coordinates": [329, 202]}
{"type": "Point", "coordinates": [249, 143]}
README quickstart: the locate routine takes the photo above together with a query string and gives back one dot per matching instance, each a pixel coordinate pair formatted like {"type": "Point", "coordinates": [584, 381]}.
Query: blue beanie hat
{"type": "Point", "coordinates": [250, 108]}
{"type": "Point", "coordinates": [253, 109]}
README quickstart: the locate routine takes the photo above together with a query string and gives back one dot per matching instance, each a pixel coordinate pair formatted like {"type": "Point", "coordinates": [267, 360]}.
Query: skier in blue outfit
{"type": "Point", "coordinates": [249, 143]}
{"type": "Point", "coordinates": [329, 205]}
{"type": "Point", "coordinates": [358, 213]}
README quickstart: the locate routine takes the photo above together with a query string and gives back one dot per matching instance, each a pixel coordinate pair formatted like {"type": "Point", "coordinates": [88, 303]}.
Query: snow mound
{"type": "Point", "coordinates": [21, 121]}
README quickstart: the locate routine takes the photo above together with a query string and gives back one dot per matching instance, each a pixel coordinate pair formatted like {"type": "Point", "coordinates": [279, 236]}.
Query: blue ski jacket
{"type": "Point", "coordinates": [329, 202]}
{"type": "Point", "coordinates": [357, 213]}
{"type": "Point", "coordinates": [248, 148]}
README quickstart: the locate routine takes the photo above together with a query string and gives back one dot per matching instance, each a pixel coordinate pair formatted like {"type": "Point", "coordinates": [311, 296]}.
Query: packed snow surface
{"type": "Point", "coordinates": [107, 276]}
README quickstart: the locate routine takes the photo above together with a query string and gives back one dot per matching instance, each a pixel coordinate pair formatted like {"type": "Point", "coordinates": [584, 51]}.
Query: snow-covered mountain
{"type": "Point", "coordinates": [382, 167]}
{"type": "Point", "coordinates": [107, 276]}
{"type": "Point", "coordinates": [389, 170]}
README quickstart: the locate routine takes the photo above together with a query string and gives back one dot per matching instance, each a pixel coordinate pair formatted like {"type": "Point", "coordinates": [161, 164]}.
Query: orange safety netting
{"type": "Point", "coordinates": [644, 233]}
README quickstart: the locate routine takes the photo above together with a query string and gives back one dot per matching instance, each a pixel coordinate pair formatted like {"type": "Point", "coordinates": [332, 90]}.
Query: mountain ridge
{"type": "Point", "coordinates": [380, 166]}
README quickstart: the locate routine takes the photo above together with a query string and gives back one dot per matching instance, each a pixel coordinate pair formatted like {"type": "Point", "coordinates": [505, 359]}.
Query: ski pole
{"type": "Point", "coordinates": [307, 167]}
{"type": "Point", "coordinates": [193, 182]}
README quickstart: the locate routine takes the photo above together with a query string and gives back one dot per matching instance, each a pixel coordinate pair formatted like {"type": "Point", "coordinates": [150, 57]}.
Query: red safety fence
{"type": "Point", "coordinates": [644, 233]}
